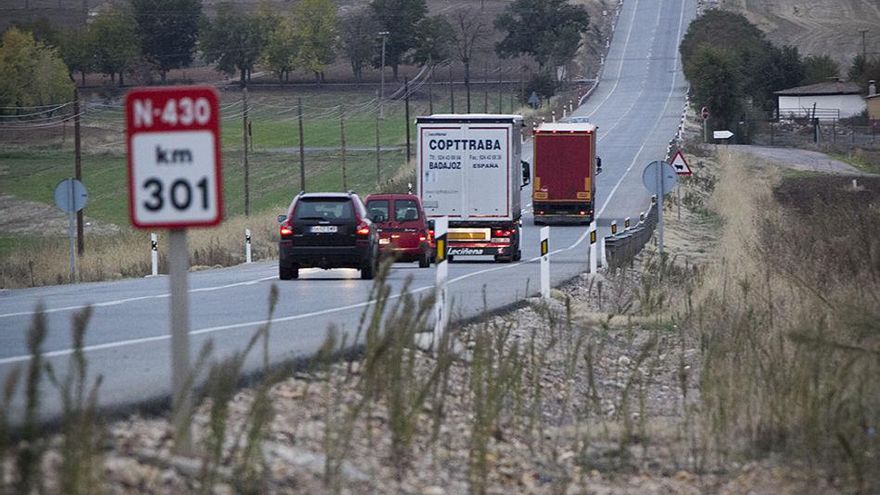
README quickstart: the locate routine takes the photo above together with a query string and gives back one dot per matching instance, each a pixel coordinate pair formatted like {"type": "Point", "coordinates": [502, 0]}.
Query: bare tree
{"type": "Point", "coordinates": [470, 35]}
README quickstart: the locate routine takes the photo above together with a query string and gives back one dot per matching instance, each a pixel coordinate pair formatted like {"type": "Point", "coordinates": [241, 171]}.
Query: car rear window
{"type": "Point", "coordinates": [322, 208]}
{"type": "Point", "coordinates": [406, 209]}
{"type": "Point", "coordinates": [377, 207]}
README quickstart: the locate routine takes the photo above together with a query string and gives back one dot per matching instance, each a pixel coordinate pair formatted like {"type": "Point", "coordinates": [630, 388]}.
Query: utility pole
{"type": "Point", "coordinates": [378, 155]}
{"type": "Point", "coordinates": [384, 35]}
{"type": "Point", "coordinates": [486, 86]}
{"type": "Point", "coordinates": [77, 169]}
{"type": "Point", "coordinates": [864, 46]}
{"type": "Point", "coordinates": [244, 137]}
{"type": "Point", "coordinates": [452, 93]}
{"type": "Point", "coordinates": [302, 149]}
{"type": "Point", "coordinates": [342, 142]}
{"type": "Point", "coordinates": [406, 113]}
{"type": "Point", "coordinates": [500, 94]}
{"type": "Point", "coordinates": [431, 90]}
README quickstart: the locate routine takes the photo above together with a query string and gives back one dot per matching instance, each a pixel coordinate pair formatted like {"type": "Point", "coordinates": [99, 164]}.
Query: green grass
{"type": "Point", "coordinates": [274, 178]}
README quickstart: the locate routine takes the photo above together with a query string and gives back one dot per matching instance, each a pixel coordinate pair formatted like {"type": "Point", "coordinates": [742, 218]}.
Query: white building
{"type": "Point", "coordinates": [826, 101]}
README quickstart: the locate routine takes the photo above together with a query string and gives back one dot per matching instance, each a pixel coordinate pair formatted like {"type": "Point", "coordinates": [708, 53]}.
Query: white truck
{"type": "Point", "coordinates": [469, 169]}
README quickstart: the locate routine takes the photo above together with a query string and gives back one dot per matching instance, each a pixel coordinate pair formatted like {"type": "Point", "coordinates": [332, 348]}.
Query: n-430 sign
{"type": "Point", "coordinates": [173, 146]}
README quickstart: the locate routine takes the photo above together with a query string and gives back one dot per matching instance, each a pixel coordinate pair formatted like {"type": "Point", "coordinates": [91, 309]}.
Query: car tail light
{"type": "Point", "coordinates": [582, 212]}
{"type": "Point", "coordinates": [286, 229]}
{"type": "Point", "coordinates": [363, 229]}
{"type": "Point", "coordinates": [431, 235]}
{"type": "Point", "coordinates": [501, 233]}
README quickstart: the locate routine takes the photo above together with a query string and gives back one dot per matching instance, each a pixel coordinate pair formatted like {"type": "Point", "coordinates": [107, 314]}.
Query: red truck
{"type": "Point", "coordinates": [566, 165]}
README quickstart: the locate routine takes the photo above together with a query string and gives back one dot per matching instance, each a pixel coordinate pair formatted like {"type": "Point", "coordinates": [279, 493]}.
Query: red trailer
{"type": "Point", "coordinates": [565, 161]}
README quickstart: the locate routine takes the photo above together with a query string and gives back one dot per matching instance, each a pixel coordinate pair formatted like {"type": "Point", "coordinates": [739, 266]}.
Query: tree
{"type": "Point", "coordinates": [314, 30]}
{"type": "Point", "coordinates": [864, 69]}
{"type": "Point", "coordinates": [234, 40]}
{"type": "Point", "coordinates": [114, 42]}
{"type": "Point", "coordinates": [76, 51]}
{"type": "Point", "coordinates": [280, 53]}
{"type": "Point", "coordinates": [433, 41]}
{"type": "Point", "coordinates": [773, 69]}
{"type": "Point", "coordinates": [819, 68]}
{"type": "Point", "coordinates": [33, 72]}
{"type": "Point", "coordinates": [549, 31]}
{"type": "Point", "coordinates": [400, 19]}
{"type": "Point", "coordinates": [168, 31]}
{"type": "Point", "coordinates": [357, 38]}
{"type": "Point", "coordinates": [716, 82]}
{"type": "Point", "coordinates": [469, 35]}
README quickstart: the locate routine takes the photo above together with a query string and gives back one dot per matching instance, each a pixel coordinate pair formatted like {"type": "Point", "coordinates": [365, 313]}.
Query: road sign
{"type": "Point", "coordinates": [722, 134]}
{"type": "Point", "coordinates": [173, 148]}
{"type": "Point", "coordinates": [654, 181]}
{"type": "Point", "coordinates": [704, 112]}
{"type": "Point", "coordinates": [680, 164]}
{"type": "Point", "coordinates": [71, 195]}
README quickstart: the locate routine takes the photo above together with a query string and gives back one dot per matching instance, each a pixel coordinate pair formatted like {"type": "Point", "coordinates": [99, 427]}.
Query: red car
{"type": "Point", "coordinates": [403, 229]}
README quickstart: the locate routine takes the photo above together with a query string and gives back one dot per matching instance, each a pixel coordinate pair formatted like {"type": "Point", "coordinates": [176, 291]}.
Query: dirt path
{"type": "Point", "coordinates": [34, 218]}
{"type": "Point", "coordinates": [796, 159]}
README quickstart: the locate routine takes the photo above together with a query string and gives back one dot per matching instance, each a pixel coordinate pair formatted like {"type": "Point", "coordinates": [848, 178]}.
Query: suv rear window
{"type": "Point", "coordinates": [406, 209]}
{"type": "Point", "coordinates": [323, 209]}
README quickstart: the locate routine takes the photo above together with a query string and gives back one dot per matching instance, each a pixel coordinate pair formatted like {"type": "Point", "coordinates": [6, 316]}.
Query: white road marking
{"type": "Point", "coordinates": [117, 302]}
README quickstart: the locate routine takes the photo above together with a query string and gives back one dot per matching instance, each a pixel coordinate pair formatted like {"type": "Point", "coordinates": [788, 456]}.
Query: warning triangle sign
{"type": "Point", "coordinates": [680, 164]}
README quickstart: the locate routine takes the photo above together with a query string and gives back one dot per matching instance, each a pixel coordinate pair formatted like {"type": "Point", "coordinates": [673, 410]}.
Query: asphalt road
{"type": "Point", "coordinates": [637, 107]}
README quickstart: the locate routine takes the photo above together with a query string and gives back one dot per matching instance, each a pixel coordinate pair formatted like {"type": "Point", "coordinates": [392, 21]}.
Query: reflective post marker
{"type": "Point", "coordinates": [594, 256]}
{"type": "Point", "coordinates": [154, 254]}
{"type": "Point", "coordinates": [545, 262]}
{"type": "Point", "coordinates": [614, 227]}
{"type": "Point", "coordinates": [441, 310]}
{"type": "Point", "coordinates": [626, 224]}
{"type": "Point", "coordinates": [247, 245]}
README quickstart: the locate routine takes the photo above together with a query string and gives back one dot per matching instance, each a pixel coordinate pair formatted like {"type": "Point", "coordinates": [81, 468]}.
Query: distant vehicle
{"type": "Point", "coordinates": [566, 165]}
{"type": "Point", "coordinates": [327, 230]}
{"type": "Point", "coordinates": [469, 170]}
{"type": "Point", "coordinates": [402, 226]}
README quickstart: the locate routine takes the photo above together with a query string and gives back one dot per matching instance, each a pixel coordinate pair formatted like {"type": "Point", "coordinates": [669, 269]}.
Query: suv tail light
{"type": "Point", "coordinates": [363, 229]}
{"type": "Point", "coordinates": [286, 229]}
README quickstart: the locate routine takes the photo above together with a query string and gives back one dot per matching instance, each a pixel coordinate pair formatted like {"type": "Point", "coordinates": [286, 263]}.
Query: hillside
{"type": "Point", "coordinates": [816, 27]}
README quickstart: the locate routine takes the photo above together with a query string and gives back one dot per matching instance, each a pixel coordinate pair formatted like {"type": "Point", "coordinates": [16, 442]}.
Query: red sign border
{"type": "Point", "coordinates": [686, 164]}
{"type": "Point", "coordinates": [213, 125]}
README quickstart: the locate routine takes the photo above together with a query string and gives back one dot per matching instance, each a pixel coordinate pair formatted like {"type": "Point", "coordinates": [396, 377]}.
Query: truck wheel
{"type": "Point", "coordinates": [288, 272]}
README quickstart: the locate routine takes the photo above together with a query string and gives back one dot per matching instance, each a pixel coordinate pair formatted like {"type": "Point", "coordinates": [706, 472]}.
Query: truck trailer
{"type": "Point", "coordinates": [566, 165]}
{"type": "Point", "coordinates": [469, 170]}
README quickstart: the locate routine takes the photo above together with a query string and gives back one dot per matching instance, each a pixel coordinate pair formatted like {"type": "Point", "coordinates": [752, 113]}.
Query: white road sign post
{"type": "Point", "coordinates": [545, 262]}
{"type": "Point", "coordinates": [660, 178]}
{"type": "Point", "coordinates": [594, 257]}
{"type": "Point", "coordinates": [154, 254]}
{"type": "Point", "coordinates": [174, 182]}
{"type": "Point", "coordinates": [441, 309]}
{"type": "Point", "coordinates": [71, 196]}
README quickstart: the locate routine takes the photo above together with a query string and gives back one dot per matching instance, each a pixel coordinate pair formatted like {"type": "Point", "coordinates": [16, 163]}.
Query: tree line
{"type": "Point", "coordinates": [157, 36]}
{"type": "Point", "coordinates": [734, 70]}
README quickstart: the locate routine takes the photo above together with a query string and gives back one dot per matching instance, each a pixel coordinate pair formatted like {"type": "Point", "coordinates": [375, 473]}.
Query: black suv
{"type": "Point", "coordinates": [327, 230]}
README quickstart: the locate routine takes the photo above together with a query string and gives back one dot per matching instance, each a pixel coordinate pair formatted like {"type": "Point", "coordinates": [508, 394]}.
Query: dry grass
{"type": "Point", "coordinates": [787, 317]}
{"type": "Point", "coordinates": [127, 255]}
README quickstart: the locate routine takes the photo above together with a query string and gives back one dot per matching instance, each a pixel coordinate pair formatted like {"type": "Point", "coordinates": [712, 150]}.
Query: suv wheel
{"type": "Point", "coordinates": [288, 272]}
{"type": "Point", "coordinates": [368, 272]}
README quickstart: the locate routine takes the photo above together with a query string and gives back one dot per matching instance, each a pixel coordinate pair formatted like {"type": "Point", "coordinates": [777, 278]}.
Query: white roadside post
{"type": "Point", "coordinates": [175, 182]}
{"type": "Point", "coordinates": [603, 260]}
{"type": "Point", "coordinates": [247, 246]}
{"type": "Point", "coordinates": [154, 254]}
{"type": "Point", "coordinates": [594, 257]}
{"type": "Point", "coordinates": [545, 262]}
{"type": "Point", "coordinates": [441, 309]}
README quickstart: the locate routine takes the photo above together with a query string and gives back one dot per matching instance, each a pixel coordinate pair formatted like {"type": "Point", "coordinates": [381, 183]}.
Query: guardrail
{"type": "Point", "coordinates": [622, 247]}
